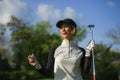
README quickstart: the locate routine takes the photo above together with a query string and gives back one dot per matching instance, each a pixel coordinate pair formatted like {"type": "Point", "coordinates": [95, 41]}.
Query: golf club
{"type": "Point", "coordinates": [94, 72]}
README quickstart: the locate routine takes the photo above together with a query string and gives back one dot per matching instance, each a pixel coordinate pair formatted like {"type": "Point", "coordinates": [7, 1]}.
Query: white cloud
{"type": "Point", "coordinates": [111, 3]}
{"type": "Point", "coordinates": [48, 12]}
{"type": "Point", "coordinates": [13, 7]}
{"type": "Point", "coordinates": [71, 13]}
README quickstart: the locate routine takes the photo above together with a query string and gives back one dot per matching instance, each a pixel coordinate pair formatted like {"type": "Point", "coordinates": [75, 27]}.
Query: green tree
{"type": "Point", "coordinates": [33, 39]}
{"type": "Point", "coordinates": [104, 58]}
{"type": "Point", "coordinates": [4, 51]}
{"type": "Point", "coordinates": [114, 34]}
{"type": "Point", "coordinates": [4, 64]}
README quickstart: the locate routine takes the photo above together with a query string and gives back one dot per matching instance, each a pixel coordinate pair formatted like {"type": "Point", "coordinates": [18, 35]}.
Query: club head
{"type": "Point", "coordinates": [91, 26]}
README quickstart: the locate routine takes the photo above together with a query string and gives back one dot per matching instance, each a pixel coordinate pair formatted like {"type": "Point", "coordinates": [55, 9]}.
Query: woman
{"type": "Point", "coordinates": [67, 60]}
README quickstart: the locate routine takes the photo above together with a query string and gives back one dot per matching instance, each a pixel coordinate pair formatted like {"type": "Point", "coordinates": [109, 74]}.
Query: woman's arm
{"type": "Point", "coordinates": [48, 70]}
{"type": "Point", "coordinates": [85, 62]}
{"type": "Point", "coordinates": [87, 57]}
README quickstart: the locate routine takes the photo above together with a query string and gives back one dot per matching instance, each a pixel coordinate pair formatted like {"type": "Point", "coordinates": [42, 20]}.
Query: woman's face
{"type": "Point", "coordinates": [65, 31]}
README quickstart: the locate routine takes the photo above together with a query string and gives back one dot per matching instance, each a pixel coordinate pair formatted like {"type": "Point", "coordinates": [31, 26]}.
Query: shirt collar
{"type": "Point", "coordinates": [67, 43]}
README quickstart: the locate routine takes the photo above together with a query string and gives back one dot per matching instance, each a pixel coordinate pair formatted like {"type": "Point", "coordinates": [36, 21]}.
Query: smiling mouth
{"type": "Point", "coordinates": [64, 33]}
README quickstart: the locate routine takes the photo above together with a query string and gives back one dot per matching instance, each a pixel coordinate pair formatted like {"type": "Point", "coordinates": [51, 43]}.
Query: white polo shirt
{"type": "Point", "coordinates": [67, 61]}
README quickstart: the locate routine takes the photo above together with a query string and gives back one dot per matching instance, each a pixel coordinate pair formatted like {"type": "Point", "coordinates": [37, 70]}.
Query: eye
{"type": "Point", "coordinates": [67, 26]}
{"type": "Point", "coordinates": [63, 26]}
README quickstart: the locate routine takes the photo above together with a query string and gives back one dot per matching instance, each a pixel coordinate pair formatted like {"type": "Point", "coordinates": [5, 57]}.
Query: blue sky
{"type": "Point", "coordinates": [104, 14]}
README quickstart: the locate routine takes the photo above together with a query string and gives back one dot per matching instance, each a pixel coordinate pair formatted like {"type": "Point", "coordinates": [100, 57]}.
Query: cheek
{"type": "Point", "coordinates": [60, 31]}
{"type": "Point", "coordinates": [69, 31]}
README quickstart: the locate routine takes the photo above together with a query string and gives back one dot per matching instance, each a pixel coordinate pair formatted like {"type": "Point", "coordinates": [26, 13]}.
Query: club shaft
{"type": "Point", "coordinates": [94, 72]}
{"type": "Point", "coordinates": [94, 77]}
{"type": "Point", "coordinates": [93, 61]}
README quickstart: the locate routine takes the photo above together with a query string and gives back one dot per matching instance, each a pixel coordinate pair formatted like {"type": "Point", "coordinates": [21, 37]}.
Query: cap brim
{"type": "Point", "coordinates": [66, 21]}
{"type": "Point", "coordinates": [59, 23]}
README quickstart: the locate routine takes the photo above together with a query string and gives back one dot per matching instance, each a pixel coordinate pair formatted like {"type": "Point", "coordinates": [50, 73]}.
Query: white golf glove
{"type": "Point", "coordinates": [91, 45]}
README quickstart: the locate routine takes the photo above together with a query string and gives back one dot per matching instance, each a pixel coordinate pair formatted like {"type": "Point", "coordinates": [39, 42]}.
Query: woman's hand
{"type": "Point", "coordinates": [91, 45]}
{"type": "Point", "coordinates": [32, 60]}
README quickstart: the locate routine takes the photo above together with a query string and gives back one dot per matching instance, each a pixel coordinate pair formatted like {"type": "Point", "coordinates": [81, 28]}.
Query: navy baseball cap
{"type": "Point", "coordinates": [67, 21]}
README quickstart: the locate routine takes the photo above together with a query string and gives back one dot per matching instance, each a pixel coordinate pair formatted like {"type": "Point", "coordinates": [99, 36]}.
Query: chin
{"type": "Point", "coordinates": [64, 36]}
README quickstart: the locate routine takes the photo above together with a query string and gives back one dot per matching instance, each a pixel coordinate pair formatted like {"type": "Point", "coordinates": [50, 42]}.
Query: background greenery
{"type": "Point", "coordinates": [39, 38]}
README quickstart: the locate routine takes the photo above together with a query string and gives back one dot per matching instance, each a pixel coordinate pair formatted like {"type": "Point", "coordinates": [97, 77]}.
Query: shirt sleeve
{"type": "Point", "coordinates": [85, 62]}
{"type": "Point", "coordinates": [48, 69]}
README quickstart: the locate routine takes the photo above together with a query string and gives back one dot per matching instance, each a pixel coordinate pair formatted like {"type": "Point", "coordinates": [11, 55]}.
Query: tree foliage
{"type": "Point", "coordinates": [33, 39]}
{"type": "Point", "coordinates": [5, 57]}
{"type": "Point", "coordinates": [104, 58]}
{"type": "Point", "coordinates": [114, 34]}
{"type": "Point", "coordinates": [81, 33]}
